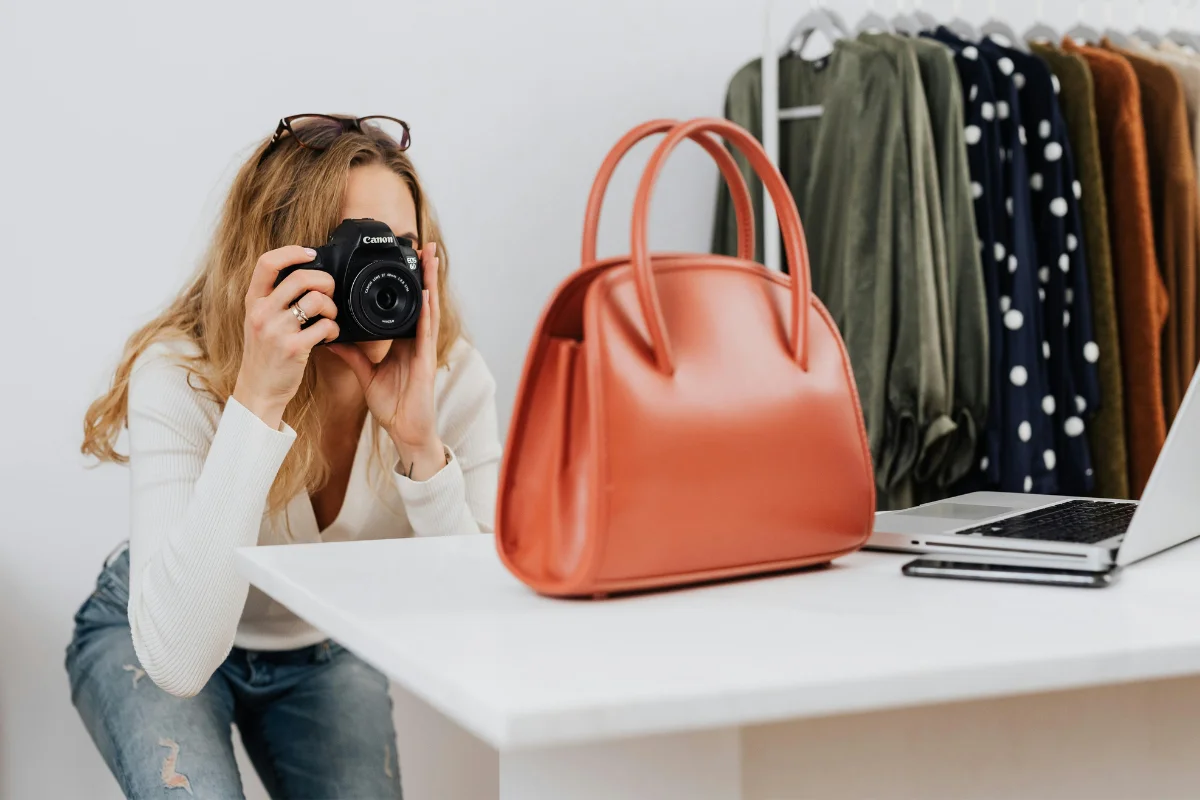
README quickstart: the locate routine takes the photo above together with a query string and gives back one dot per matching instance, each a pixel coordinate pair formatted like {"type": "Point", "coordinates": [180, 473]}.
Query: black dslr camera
{"type": "Point", "coordinates": [377, 281]}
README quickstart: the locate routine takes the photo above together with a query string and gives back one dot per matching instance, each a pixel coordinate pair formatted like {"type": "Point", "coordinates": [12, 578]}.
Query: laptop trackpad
{"type": "Point", "coordinates": [964, 511]}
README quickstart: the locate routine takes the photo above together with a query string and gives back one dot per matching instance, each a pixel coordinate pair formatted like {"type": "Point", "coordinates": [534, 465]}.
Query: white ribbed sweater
{"type": "Point", "coordinates": [200, 476]}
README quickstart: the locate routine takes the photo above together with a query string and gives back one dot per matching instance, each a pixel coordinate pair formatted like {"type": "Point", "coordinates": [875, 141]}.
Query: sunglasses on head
{"type": "Point", "coordinates": [318, 131]}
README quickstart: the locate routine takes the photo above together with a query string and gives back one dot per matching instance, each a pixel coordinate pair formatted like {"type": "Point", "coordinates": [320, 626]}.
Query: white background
{"type": "Point", "coordinates": [122, 122]}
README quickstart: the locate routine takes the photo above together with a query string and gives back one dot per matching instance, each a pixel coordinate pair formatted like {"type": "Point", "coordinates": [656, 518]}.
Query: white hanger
{"type": "Point", "coordinates": [873, 21]}
{"type": "Point", "coordinates": [960, 27]}
{"type": "Point", "coordinates": [1082, 32]}
{"type": "Point", "coordinates": [928, 21]}
{"type": "Point", "coordinates": [1041, 30]}
{"type": "Point", "coordinates": [1000, 30]}
{"type": "Point", "coordinates": [819, 19]}
{"type": "Point", "coordinates": [905, 23]}
{"type": "Point", "coordinates": [1178, 35]}
{"type": "Point", "coordinates": [830, 25]}
{"type": "Point", "coordinates": [1115, 36]}
{"type": "Point", "coordinates": [1141, 31]}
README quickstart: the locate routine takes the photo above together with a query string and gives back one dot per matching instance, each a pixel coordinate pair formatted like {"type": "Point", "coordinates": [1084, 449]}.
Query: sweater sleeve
{"type": "Point", "coordinates": [461, 497]}
{"type": "Point", "coordinates": [200, 478]}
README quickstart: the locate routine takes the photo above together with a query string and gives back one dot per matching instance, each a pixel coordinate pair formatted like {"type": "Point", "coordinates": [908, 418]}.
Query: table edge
{"type": "Point", "coordinates": [508, 731]}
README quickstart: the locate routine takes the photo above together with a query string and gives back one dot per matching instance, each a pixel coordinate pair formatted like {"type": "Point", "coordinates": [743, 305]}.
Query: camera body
{"type": "Point", "coordinates": [377, 281]}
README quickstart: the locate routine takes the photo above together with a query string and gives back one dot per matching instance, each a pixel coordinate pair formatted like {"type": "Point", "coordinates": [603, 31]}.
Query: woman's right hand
{"type": "Point", "coordinates": [276, 349]}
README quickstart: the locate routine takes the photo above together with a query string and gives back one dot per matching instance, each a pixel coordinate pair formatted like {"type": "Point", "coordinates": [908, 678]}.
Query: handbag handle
{"type": "Point", "coordinates": [729, 168]}
{"type": "Point", "coordinates": [789, 223]}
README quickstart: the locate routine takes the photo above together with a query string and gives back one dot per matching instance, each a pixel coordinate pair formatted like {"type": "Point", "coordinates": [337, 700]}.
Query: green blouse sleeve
{"type": "Point", "coordinates": [969, 370]}
{"type": "Point", "coordinates": [869, 200]}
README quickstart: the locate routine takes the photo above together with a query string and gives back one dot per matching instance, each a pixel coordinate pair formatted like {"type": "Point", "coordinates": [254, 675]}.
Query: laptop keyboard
{"type": "Point", "coordinates": [1079, 521]}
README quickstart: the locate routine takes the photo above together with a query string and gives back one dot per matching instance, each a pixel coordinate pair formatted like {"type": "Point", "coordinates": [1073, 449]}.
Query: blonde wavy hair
{"type": "Point", "coordinates": [294, 196]}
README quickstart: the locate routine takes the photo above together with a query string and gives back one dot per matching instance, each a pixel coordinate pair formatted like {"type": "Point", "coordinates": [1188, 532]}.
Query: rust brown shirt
{"type": "Point", "coordinates": [1173, 200]}
{"type": "Point", "coordinates": [1141, 297]}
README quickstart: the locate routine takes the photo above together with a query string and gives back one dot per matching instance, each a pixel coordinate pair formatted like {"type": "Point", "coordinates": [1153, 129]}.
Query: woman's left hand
{"type": "Point", "coordinates": [399, 389]}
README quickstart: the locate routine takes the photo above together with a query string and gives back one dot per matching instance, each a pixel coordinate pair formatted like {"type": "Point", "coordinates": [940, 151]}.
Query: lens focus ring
{"type": "Point", "coordinates": [385, 299]}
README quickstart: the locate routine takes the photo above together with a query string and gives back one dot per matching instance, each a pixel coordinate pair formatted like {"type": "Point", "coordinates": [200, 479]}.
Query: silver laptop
{"type": "Point", "coordinates": [1063, 532]}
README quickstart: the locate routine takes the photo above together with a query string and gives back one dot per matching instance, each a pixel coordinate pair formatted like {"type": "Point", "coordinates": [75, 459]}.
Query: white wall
{"type": "Point", "coordinates": [122, 122]}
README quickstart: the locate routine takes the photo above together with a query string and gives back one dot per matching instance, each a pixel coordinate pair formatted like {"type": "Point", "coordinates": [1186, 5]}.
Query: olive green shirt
{"type": "Point", "coordinates": [964, 270]}
{"type": "Point", "coordinates": [935, 124]}
{"type": "Point", "coordinates": [1106, 430]}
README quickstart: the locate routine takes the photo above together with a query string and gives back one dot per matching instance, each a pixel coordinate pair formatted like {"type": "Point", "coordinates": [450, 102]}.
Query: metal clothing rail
{"type": "Point", "coordinates": [774, 48]}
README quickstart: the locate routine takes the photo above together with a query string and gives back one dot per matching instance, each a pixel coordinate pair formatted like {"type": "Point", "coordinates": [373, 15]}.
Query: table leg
{"type": "Point", "coordinates": [703, 765]}
{"type": "Point", "coordinates": [439, 760]}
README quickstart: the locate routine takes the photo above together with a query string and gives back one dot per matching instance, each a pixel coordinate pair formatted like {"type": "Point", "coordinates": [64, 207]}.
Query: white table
{"type": "Point", "coordinates": [772, 688]}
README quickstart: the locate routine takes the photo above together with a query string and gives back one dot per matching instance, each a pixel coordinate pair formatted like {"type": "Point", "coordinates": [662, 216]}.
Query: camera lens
{"type": "Point", "coordinates": [385, 299]}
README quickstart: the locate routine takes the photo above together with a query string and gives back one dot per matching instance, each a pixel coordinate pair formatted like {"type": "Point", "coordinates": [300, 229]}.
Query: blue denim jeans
{"type": "Point", "coordinates": [317, 722]}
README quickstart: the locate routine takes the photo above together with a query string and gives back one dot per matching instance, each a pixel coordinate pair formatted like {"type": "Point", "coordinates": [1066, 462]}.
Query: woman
{"type": "Point", "coordinates": [243, 430]}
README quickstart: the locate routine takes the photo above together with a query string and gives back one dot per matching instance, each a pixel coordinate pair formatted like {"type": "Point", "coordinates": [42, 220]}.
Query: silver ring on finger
{"type": "Point", "coordinates": [298, 312]}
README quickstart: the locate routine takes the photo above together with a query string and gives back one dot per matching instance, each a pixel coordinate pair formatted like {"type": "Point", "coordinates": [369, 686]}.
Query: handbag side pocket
{"type": "Point", "coordinates": [536, 502]}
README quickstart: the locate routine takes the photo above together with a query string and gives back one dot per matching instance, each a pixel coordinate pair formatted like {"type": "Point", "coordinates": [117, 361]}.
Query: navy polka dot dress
{"type": "Point", "coordinates": [1068, 349]}
{"type": "Point", "coordinates": [1020, 445]}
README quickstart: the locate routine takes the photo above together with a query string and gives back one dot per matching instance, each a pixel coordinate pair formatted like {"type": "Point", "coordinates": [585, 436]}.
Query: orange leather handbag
{"type": "Point", "coordinates": [683, 417]}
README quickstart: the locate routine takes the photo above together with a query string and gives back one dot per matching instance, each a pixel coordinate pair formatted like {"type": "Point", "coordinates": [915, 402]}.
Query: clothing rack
{"type": "Point", "coordinates": [773, 49]}
{"type": "Point", "coordinates": [1015, 233]}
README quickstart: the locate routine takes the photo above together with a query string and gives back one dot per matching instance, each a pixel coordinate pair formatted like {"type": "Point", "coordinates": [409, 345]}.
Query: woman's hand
{"type": "Point", "coordinates": [399, 389]}
{"type": "Point", "coordinates": [276, 350]}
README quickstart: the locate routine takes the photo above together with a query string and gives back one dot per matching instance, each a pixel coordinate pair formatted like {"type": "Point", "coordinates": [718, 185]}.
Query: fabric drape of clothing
{"type": "Point", "coordinates": [1027, 432]}
{"type": "Point", "coordinates": [200, 472]}
{"type": "Point", "coordinates": [968, 300]}
{"type": "Point", "coordinates": [982, 136]}
{"type": "Point", "coordinates": [929, 299]}
{"type": "Point", "coordinates": [1106, 429]}
{"type": "Point", "coordinates": [1068, 347]}
{"type": "Point", "coordinates": [1174, 203]}
{"type": "Point", "coordinates": [1187, 66]}
{"type": "Point", "coordinates": [850, 173]}
{"type": "Point", "coordinates": [1034, 435]}
{"type": "Point", "coordinates": [1141, 297]}
{"type": "Point", "coordinates": [288, 705]}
